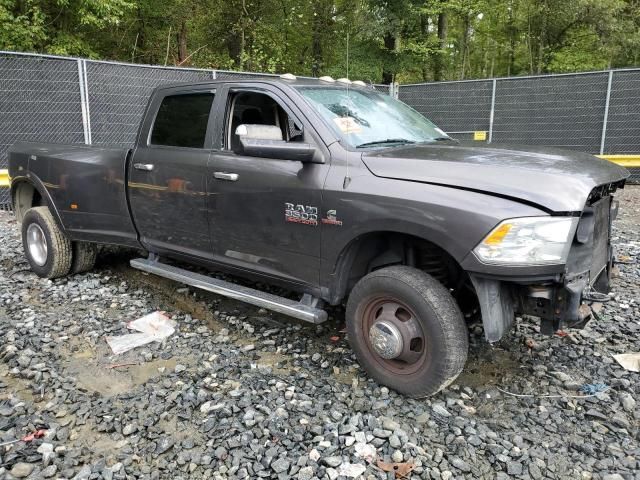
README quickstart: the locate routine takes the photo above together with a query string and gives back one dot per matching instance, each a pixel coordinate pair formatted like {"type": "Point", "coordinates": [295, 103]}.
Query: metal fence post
{"type": "Point", "coordinates": [214, 75]}
{"type": "Point", "coordinates": [493, 110]}
{"type": "Point", "coordinates": [83, 105]}
{"type": "Point", "coordinates": [86, 100]}
{"type": "Point", "coordinates": [603, 138]}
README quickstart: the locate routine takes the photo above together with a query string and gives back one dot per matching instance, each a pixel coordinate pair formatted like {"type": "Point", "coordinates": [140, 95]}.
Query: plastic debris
{"type": "Point", "coordinates": [546, 395]}
{"type": "Point", "coordinates": [629, 361]}
{"type": "Point", "coordinates": [402, 470]}
{"type": "Point", "coordinates": [593, 388]}
{"type": "Point", "coordinates": [154, 327]}
{"type": "Point", "coordinates": [27, 438]}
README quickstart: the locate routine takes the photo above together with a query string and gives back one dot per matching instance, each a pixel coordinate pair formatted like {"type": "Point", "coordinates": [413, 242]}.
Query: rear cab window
{"type": "Point", "coordinates": [182, 120]}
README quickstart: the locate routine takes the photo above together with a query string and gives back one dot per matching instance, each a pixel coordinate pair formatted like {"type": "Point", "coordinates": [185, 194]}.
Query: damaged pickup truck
{"type": "Point", "coordinates": [343, 195]}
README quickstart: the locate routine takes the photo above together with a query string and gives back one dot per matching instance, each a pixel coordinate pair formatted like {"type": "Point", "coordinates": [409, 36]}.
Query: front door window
{"type": "Point", "coordinates": [253, 108]}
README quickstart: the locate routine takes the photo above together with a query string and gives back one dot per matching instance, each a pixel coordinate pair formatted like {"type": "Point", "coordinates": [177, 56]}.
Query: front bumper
{"type": "Point", "coordinates": [557, 305]}
{"type": "Point", "coordinates": [559, 299]}
{"type": "Point", "coordinates": [564, 305]}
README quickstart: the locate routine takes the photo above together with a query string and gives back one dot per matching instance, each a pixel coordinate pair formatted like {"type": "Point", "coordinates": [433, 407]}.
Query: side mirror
{"type": "Point", "coordinates": [266, 141]}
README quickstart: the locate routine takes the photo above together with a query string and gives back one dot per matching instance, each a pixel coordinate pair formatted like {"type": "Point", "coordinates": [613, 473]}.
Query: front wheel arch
{"type": "Point", "coordinates": [378, 249]}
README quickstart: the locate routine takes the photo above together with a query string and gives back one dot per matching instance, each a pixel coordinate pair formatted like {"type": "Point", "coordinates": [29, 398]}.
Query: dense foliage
{"type": "Point", "coordinates": [402, 40]}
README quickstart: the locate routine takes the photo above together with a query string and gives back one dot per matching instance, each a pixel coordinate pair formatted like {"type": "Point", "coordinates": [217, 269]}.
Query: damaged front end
{"type": "Point", "coordinates": [564, 299]}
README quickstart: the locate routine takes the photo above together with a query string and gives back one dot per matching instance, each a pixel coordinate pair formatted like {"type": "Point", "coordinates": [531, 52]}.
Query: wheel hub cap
{"type": "Point", "coordinates": [386, 339]}
{"type": "Point", "coordinates": [37, 244]}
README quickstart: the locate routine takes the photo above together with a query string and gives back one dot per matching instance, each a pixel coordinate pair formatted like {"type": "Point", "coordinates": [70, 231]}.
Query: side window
{"type": "Point", "coordinates": [182, 120]}
{"type": "Point", "coordinates": [252, 108]}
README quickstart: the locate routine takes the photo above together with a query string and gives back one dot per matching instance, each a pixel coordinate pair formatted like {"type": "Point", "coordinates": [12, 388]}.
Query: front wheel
{"type": "Point", "coordinates": [46, 247]}
{"type": "Point", "coordinates": [407, 330]}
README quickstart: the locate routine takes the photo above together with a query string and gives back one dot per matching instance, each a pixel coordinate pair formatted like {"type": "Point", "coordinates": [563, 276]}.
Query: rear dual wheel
{"type": "Point", "coordinates": [407, 330]}
{"type": "Point", "coordinates": [48, 250]}
{"type": "Point", "coordinates": [84, 257]}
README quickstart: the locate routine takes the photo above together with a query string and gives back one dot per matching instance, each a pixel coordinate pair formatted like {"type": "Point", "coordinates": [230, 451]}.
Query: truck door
{"type": "Point", "coordinates": [168, 172]}
{"type": "Point", "coordinates": [265, 213]}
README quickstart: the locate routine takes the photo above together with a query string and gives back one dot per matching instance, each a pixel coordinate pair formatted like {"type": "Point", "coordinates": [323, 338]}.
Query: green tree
{"type": "Point", "coordinates": [386, 40]}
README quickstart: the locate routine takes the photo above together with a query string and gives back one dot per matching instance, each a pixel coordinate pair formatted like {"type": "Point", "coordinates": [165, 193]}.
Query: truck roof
{"type": "Point", "coordinates": [298, 82]}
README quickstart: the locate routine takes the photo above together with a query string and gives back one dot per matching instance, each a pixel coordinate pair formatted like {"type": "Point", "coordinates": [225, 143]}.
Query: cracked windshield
{"type": "Point", "coordinates": [367, 119]}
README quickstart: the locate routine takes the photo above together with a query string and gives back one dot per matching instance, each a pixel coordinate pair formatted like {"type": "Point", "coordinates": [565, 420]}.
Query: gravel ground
{"type": "Point", "coordinates": [238, 392]}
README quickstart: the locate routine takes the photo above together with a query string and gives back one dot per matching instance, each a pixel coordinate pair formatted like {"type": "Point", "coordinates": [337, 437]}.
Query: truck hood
{"type": "Point", "coordinates": [556, 180]}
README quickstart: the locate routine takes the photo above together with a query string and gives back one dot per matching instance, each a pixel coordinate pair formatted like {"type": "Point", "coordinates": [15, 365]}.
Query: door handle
{"type": "Point", "coordinates": [231, 177]}
{"type": "Point", "coordinates": [147, 167]}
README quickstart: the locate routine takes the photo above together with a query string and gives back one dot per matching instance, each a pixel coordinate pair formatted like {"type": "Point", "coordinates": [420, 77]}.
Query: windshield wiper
{"type": "Point", "coordinates": [441, 139]}
{"type": "Point", "coordinates": [383, 142]}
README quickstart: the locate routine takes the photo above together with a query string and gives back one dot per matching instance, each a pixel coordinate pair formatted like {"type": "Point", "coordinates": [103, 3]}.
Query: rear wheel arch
{"type": "Point", "coordinates": [26, 194]}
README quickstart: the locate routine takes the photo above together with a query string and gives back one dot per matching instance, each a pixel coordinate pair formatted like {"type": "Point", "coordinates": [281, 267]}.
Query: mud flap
{"type": "Point", "coordinates": [496, 306]}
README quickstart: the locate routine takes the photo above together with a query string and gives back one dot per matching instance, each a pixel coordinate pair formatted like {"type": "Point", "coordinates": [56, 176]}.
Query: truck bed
{"type": "Point", "coordinates": [86, 185]}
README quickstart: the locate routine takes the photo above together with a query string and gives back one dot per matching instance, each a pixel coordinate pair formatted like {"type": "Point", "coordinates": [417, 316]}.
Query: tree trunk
{"type": "Point", "coordinates": [438, 66]}
{"type": "Point", "coordinates": [424, 33]}
{"type": "Point", "coordinates": [141, 39]}
{"type": "Point", "coordinates": [316, 40]}
{"type": "Point", "coordinates": [512, 32]}
{"type": "Point", "coordinates": [182, 42]}
{"type": "Point", "coordinates": [390, 46]}
{"type": "Point", "coordinates": [542, 38]}
{"type": "Point", "coordinates": [464, 45]}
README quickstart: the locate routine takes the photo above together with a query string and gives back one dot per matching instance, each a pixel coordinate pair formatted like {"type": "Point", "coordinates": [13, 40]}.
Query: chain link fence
{"type": "Point", "coordinates": [117, 96]}
{"type": "Point", "coordinates": [459, 108]}
{"type": "Point", "coordinates": [596, 112]}
{"type": "Point", "coordinates": [70, 100]}
{"type": "Point", "coordinates": [39, 99]}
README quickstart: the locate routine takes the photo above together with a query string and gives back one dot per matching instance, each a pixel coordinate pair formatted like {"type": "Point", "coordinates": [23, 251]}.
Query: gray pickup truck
{"type": "Point", "coordinates": [342, 195]}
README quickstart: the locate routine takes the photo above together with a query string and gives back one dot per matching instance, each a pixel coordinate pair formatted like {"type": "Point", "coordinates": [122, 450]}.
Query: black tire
{"type": "Point", "coordinates": [84, 257]}
{"type": "Point", "coordinates": [422, 310]}
{"type": "Point", "coordinates": [57, 257]}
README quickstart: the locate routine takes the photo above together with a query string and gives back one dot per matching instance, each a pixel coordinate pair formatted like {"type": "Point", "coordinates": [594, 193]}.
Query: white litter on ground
{"type": "Point", "coordinates": [630, 361]}
{"type": "Point", "coordinates": [365, 451]}
{"type": "Point", "coordinates": [351, 470]}
{"type": "Point", "coordinates": [154, 327]}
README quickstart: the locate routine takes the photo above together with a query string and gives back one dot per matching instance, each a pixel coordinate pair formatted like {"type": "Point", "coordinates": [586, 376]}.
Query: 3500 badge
{"type": "Point", "coordinates": [304, 214]}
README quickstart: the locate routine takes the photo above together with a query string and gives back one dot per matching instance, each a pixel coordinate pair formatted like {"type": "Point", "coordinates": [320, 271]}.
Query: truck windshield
{"type": "Point", "coordinates": [368, 119]}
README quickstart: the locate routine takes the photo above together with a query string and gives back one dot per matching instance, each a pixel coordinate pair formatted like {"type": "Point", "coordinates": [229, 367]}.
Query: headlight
{"type": "Point", "coordinates": [528, 241]}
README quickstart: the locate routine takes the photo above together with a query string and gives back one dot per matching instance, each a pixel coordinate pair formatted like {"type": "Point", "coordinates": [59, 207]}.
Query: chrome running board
{"type": "Point", "coordinates": [308, 313]}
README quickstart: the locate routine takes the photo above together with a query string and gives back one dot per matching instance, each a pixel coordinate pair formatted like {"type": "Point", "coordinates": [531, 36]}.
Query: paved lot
{"type": "Point", "coordinates": [241, 393]}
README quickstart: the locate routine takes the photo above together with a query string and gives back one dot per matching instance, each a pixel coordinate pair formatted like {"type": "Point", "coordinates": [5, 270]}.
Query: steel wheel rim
{"type": "Point", "coordinates": [37, 244]}
{"type": "Point", "coordinates": [391, 312]}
